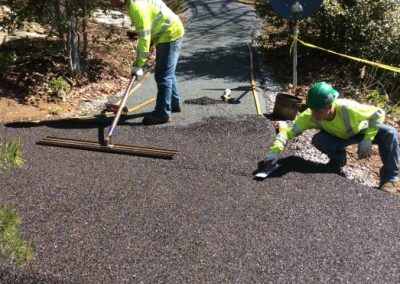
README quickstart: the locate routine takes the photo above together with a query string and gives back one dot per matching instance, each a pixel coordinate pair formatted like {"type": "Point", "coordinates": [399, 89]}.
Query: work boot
{"type": "Point", "coordinates": [336, 166]}
{"type": "Point", "coordinates": [391, 187]}
{"type": "Point", "coordinates": [153, 120]}
{"type": "Point", "coordinates": [176, 109]}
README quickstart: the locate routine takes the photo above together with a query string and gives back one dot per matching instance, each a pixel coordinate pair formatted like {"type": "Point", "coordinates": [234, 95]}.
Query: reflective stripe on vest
{"type": "Point", "coordinates": [164, 27]}
{"type": "Point", "coordinates": [378, 114]}
{"type": "Point", "coordinates": [281, 138]}
{"type": "Point", "coordinates": [346, 121]}
{"type": "Point", "coordinates": [157, 20]}
{"type": "Point", "coordinates": [144, 33]}
{"type": "Point", "coordinates": [142, 54]}
{"type": "Point", "coordinates": [164, 12]}
{"type": "Point", "coordinates": [296, 130]}
{"type": "Point", "coordinates": [371, 122]}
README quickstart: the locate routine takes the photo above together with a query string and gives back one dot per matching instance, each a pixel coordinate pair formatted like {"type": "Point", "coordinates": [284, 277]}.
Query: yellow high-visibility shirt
{"type": "Point", "coordinates": [155, 23]}
{"type": "Point", "coordinates": [351, 119]}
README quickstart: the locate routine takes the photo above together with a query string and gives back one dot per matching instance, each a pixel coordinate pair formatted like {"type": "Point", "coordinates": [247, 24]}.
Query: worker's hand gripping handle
{"type": "Point", "coordinates": [119, 112]}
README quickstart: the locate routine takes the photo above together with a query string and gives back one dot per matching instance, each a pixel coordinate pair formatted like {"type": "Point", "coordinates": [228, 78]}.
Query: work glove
{"type": "Point", "coordinates": [269, 161]}
{"type": "Point", "coordinates": [137, 71]}
{"type": "Point", "coordinates": [364, 149]}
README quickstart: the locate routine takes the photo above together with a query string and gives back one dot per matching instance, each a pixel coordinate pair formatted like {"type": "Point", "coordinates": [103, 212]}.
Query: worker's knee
{"type": "Point", "coordinates": [392, 132]}
{"type": "Point", "coordinates": [320, 142]}
{"type": "Point", "coordinates": [389, 133]}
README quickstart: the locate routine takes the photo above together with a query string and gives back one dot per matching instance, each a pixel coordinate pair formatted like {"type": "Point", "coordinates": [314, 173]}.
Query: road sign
{"type": "Point", "coordinates": [295, 9]}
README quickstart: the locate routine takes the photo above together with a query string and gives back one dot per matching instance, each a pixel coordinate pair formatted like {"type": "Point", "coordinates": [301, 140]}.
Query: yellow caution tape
{"type": "Point", "coordinates": [380, 65]}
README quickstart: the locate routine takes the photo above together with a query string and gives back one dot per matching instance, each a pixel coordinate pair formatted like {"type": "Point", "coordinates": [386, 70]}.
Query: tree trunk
{"type": "Point", "coordinates": [59, 20]}
{"type": "Point", "coordinates": [73, 47]}
{"type": "Point", "coordinates": [85, 36]}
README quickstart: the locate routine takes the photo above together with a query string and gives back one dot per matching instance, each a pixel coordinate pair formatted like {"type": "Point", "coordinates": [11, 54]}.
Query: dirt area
{"type": "Point", "coordinates": [34, 80]}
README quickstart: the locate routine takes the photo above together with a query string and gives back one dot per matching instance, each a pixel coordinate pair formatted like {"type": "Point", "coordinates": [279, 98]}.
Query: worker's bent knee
{"type": "Point", "coordinates": [320, 141]}
{"type": "Point", "coordinates": [389, 133]}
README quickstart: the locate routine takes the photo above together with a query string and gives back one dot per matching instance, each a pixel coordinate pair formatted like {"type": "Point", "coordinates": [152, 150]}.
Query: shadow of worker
{"type": "Point", "coordinates": [300, 165]}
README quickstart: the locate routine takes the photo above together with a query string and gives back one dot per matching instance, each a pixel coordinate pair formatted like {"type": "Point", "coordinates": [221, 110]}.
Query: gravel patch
{"type": "Point", "coordinates": [203, 101]}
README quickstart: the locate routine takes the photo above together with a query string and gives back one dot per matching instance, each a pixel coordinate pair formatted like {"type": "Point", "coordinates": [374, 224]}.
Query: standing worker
{"type": "Point", "coordinates": [158, 26]}
{"type": "Point", "coordinates": [343, 123]}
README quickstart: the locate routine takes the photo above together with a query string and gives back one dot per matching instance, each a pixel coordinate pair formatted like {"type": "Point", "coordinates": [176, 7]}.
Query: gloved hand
{"type": "Point", "coordinates": [269, 161]}
{"type": "Point", "coordinates": [136, 71]}
{"type": "Point", "coordinates": [364, 149]}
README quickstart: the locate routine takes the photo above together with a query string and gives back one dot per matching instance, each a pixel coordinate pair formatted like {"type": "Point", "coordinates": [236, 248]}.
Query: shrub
{"type": "Point", "coordinates": [57, 87]}
{"type": "Point", "coordinates": [367, 29]}
{"type": "Point", "coordinates": [10, 155]}
{"type": "Point", "coordinates": [11, 244]}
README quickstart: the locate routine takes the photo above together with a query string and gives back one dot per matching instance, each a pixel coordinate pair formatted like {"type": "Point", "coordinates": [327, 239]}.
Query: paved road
{"type": "Point", "coordinates": [200, 218]}
{"type": "Point", "coordinates": [214, 56]}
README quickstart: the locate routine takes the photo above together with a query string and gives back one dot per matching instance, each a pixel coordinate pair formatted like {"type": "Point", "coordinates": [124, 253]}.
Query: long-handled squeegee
{"type": "Point", "coordinates": [105, 145]}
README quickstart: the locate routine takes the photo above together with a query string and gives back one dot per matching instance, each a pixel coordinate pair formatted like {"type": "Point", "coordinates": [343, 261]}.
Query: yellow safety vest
{"type": "Point", "coordinates": [155, 23]}
{"type": "Point", "coordinates": [351, 118]}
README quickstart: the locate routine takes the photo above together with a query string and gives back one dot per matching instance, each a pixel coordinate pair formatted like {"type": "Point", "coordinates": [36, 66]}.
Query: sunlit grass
{"type": "Point", "coordinates": [11, 155]}
{"type": "Point", "coordinates": [12, 246]}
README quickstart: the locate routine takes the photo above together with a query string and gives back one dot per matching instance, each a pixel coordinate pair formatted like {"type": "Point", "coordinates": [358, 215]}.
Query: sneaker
{"type": "Point", "coordinates": [153, 120]}
{"type": "Point", "coordinates": [391, 187]}
{"type": "Point", "coordinates": [176, 109]}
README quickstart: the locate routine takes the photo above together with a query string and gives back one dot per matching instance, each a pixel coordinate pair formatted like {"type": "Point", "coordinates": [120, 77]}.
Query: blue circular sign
{"type": "Point", "coordinates": [295, 9]}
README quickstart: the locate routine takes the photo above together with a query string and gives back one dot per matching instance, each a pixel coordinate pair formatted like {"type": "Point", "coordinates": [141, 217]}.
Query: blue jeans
{"type": "Point", "coordinates": [387, 142]}
{"type": "Point", "coordinates": [168, 97]}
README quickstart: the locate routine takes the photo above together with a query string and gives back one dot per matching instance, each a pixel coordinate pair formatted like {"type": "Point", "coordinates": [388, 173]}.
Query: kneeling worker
{"type": "Point", "coordinates": [343, 123]}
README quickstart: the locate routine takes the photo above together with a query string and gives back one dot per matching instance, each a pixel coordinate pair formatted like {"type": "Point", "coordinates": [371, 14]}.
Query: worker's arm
{"type": "Point", "coordinates": [139, 12]}
{"type": "Point", "coordinates": [377, 117]}
{"type": "Point", "coordinates": [303, 122]}
{"type": "Point", "coordinates": [370, 116]}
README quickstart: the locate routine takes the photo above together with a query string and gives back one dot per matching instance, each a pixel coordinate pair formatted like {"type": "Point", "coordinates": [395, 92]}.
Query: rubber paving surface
{"type": "Point", "coordinates": [200, 218]}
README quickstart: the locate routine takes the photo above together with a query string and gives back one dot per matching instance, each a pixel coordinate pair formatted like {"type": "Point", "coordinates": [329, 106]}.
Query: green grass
{"type": "Point", "coordinates": [12, 246]}
{"type": "Point", "coordinates": [11, 155]}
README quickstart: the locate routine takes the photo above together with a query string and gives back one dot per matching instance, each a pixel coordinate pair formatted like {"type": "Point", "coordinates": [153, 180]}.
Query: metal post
{"type": "Point", "coordinates": [295, 33]}
{"type": "Point", "coordinates": [296, 9]}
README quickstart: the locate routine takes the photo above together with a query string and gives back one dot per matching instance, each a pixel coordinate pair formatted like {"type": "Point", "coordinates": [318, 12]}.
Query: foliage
{"type": "Point", "coordinates": [57, 87]}
{"type": "Point", "coordinates": [175, 5]}
{"type": "Point", "coordinates": [10, 155]}
{"type": "Point", "coordinates": [7, 58]}
{"type": "Point", "coordinates": [12, 245]}
{"type": "Point", "coordinates": [367, 29]}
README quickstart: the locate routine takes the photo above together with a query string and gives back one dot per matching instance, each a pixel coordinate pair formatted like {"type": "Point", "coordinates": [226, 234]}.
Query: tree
{"type": "Point", "coordinates": [66, 18]}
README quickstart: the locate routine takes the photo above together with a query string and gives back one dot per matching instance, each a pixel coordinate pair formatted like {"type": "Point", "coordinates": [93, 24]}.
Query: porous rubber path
{"type": "Point", "coordinates": [200, 218]}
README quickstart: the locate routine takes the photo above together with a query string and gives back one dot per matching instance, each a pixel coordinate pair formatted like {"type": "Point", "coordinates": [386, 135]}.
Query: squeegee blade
{"type": "Point", "coordinates": [115, 148]}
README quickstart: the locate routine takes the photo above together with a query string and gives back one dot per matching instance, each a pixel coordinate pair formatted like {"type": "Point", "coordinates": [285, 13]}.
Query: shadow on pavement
{"type": "Point", "coordinates": [97, 121]}
{"type": "Point", "coordinates": [299, 165]}
{"type": "Point", "coordinates": [222, 62]}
